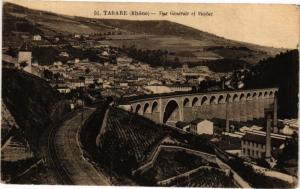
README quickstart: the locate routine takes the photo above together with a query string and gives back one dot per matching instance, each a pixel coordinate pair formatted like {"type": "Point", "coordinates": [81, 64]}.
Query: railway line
{"type": "Point", "coordinates": [62, 154]}
{"type": "Point", "coordinates": [62, 175]}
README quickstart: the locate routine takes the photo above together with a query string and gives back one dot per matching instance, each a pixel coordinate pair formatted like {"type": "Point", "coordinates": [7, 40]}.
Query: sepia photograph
{"type": "Point", "coordinates": [149, 94]}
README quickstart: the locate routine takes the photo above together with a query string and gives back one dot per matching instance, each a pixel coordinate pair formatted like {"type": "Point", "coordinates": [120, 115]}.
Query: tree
{"type": "Point", "coordinates": [45, 55]}
{"type": "Point", "coordinates": [281, 71]}
{"type": "Point", "coordinates": [57, 76]}
{"type": "Point", "coordinates": [81, 78]}
{"type": "Point", "coordinates": [96, 83]}
{"type": "Point", "coordinates": [11, 52]}
{"type": "Point", "coordinates": [112, 59]}
{"type": "Point", "coordinates": [48, 74]}
{"type": "Point", "coordinates": [290, 151]}
{"type": "Point", "coordinates": [87, 70]}
{"type": "Point", "coordinates": [91, 86]}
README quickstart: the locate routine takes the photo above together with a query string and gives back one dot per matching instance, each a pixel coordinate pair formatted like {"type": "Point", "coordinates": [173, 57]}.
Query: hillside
{"type": "Point", "coordinates": [31, 103]}
{"type": "Point", "coordinates": [163, 28]}
{"type": "Point", "coordinates": [125, 141]}
{"type": "Point", "coordinates": [128, 140]}
{"type": "Point", "coordinates": [8, 123]}
{"type": "Point", "coordinates": [18, 19]}
{"type": "Point", "coordinates": [188, 44]}
{"type": "Point", "coordinates": [29, 106]}
{"type": "Point", "coordinates": [281, 71]}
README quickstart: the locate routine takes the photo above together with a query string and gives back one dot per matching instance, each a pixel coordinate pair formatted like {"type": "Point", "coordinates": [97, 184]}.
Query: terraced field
{"type": "Point", "coordinates": [208, 178]}
{"type": "Point", "coordinates": [128, 138]}
{"type": "Point", "coordinates": [170, 163]}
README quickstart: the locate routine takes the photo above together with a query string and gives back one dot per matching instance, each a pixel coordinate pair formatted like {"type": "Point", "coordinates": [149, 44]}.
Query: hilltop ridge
{"type": "Point", "coordinates": [188, 44]}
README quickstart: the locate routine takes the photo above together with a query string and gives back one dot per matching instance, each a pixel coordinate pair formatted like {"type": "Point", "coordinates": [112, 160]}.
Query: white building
{"type": "Point", "coordinates": [123, 84]}
{"type": "Point", "coordinates": [157, 89]}
{"type": "Point", "coordinates": [254, 145]}
{"type": "Point", "coordinates": [37, 38]}
{"type": "Point", "coordinates": [106, 85]}
{"type": "Point", "coordinates": [76, 84]}
{"type": "Point", "coordinates": [88, 80]}
{"type": "Point", "coordinates": [35, 64]}
{"type": "Point", "coordinates": [76, 60]}
{"type": "Point", "coordinates": [155, 82]}
{"type": "Point", "coordinates": [124, 60]}
{"type": "Point", "coordinates": [57, 63]}
{"type": "Point", "coordinates": [64, 90]}
{"type": "Point", "coordinates": [126, 107]}
{"type": "Point", "coordinates": [290, 126]}
{"type": "Point", "coordinates": [180, 88]}
{"type": "Point", "coordinates": [64, 54]}
{"type": "Point", "coordinates": [104, 53]}
{"type": "Point", "coordinates": [200, 126]}
{"type": "Point", "coordinates": [286, 130]}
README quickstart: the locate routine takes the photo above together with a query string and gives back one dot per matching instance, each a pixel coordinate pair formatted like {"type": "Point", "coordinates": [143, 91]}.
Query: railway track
{"type": "Point", "coordinates": [62, 174]}
{"type": "Point", "coordinates": [61, 152]}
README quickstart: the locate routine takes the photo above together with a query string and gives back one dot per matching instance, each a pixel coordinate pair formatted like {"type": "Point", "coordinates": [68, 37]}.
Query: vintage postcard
{"type": "Point", "coordinates": [150, 94]}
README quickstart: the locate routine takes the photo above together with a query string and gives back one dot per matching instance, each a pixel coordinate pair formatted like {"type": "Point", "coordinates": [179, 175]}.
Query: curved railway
{"type": "Point", "coordinates": [63, 156]}
{"type": "Point", "coordinates": [62, 174]}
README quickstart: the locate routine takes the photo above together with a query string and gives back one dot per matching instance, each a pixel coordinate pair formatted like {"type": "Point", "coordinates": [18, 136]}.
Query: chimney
{"type": "Point", "coordinates": [226, 113]}
{"type": "Point", "coordinates": [275, 112]}
{"type": "Point", "coordinates": [227, 125]}
{"type": "Point", "coordinates": [268, 137]}
{"type": "Point", "coordinates": [223, 83]}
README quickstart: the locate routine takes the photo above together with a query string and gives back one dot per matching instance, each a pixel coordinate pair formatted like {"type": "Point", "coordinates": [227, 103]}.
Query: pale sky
{"type": "Point", "coordinates": [269, 25]}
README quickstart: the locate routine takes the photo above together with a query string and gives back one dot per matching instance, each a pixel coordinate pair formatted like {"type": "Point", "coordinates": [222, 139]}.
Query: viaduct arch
{"type": "Point", "coordinates": [239, 105]}
{"type": "Point", "coordinates": [171, 113]}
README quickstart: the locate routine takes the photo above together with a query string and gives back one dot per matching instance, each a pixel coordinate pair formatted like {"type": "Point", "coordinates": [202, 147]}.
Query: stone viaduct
{"type": "Point", "coordinates": [238, 105]}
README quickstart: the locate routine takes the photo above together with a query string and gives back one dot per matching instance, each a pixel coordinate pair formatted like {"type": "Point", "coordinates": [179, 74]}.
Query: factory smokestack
{"type": "Point", "coordinates": [226, 113]}
{"type": "Point", "coordinates": [223, 83]}
{"type": "Point", "coordinates": [275, 112]}
{"type": "Point", "coordinates": [268, 137]}
{"type": "Point", "coordinates": [227, 125]}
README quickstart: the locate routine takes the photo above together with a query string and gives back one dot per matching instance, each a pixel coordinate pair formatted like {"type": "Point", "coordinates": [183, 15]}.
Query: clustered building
{"type": "Point", "coordinates": [126, 77]}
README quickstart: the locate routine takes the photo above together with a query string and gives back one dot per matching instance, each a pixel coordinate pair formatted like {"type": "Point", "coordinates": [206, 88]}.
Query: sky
{"type": "Point", "coordinates": [263, 24]}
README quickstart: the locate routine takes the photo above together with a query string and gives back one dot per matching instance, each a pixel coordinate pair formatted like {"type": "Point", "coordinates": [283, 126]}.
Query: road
{"type": "Point", "coordinates": [64, 156]}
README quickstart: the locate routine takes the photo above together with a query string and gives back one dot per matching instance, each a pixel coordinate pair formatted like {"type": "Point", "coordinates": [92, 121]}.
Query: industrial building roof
{"type": "Point", "coordinates": [261, 139]}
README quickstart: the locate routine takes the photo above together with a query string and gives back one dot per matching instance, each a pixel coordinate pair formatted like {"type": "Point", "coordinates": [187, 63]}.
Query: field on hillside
{"type": "Point", "coordinates": [186, 49]}
{"type": "Point", "coordinates": [171, 163]}
{"type": "Point", "coordinates": [206, 178]}
{"type": "Point", "coordinates": [127, 140]}
{"type": "Point", "coordinates": [188, 44]}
